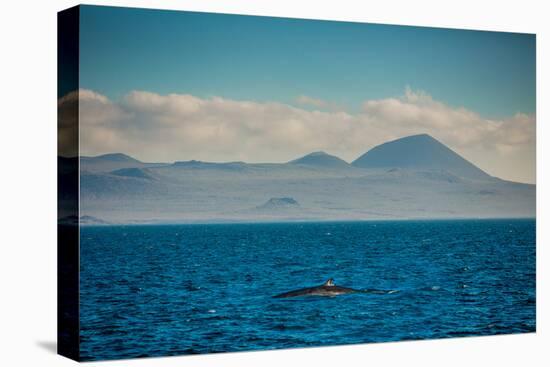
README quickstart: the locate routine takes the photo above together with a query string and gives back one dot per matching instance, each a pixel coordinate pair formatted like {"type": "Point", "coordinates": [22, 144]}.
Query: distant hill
{"type": "Point", "coordinates": [415, 177]}
{"type": "Point", "coordinates": [112, 162]}
{"type": "Point", "coordinates": [134, 172]}
{"type": "Point", "coordinates": [108, 162]}
{"type": "Point", "coordinates": [419, 152]}
{"type": "Point", "coordinates": [111, 157]}
{"type": "Point", "coordinates": [321, 159]}
{"type": "Point", "coordinates": [279, 203]}
{"type": "Point", "coordinates": [85, 219]}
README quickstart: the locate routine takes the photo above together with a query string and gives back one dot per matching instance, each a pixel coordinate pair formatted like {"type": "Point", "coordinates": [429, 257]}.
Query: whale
{"type": "Point", "coordinates": [327, 289]}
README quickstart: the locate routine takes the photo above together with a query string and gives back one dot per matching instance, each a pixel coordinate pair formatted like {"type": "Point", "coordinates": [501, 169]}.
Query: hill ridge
{"type": "Point", "coordinates": [321, 159]}
{"type": "Point", "coordinates": [421, 151]}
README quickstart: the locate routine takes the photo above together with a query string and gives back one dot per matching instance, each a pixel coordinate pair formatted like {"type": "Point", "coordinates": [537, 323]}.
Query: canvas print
{"type": "Point", "coordinates": [239, 183]}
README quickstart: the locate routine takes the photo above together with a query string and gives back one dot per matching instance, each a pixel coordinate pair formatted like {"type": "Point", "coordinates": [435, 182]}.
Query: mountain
{"type": "Point", "coordinates": [112, 162]}
{"type": "Point", "coordinates": [279, 203]}
{"type": "Point", "coordinates": [112, 157]}
{"type": "Point", "coordinates": [134, 172]}
{"type": "Point", "coordinates": [85, 219]}
{"type": "Point", "coordinates": [108, 162]}
{"type": "Point", "coordinates": [415, 177]}
{"type": "Point", "coordinates": [321, 159]}
{"type": "Point", "coordinates": [419, 152]}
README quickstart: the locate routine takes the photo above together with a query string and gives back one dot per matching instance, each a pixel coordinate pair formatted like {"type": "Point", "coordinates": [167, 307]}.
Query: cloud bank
{"type": "Point", "coordinates": [317, 103]}
{"type": "Point", "coordinates": [154, 127]}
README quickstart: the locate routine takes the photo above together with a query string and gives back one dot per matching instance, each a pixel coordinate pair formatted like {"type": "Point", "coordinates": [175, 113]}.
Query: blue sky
{"type": "Point", "coordinates": [277, 59]}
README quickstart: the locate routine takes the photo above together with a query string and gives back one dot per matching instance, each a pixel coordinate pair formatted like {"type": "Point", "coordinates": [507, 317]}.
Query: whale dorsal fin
{"type": "Point", "coordinates": [329, 283]}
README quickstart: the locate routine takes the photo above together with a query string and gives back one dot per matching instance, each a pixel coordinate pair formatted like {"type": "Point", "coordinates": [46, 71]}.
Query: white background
{"type": "Point", "coordinates": [28, 183]}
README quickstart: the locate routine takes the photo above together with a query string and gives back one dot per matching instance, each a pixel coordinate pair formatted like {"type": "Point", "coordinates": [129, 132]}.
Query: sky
{"type": "Point", "coordinates": [168, 86]}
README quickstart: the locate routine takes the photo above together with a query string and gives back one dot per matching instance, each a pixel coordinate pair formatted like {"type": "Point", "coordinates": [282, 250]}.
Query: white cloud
{"type": "Point", "coordinates": [318, 103]}
{"type": "Point", "coordinates": [458, 127]}
{"type": "Point", "coordinates": [155, 127]}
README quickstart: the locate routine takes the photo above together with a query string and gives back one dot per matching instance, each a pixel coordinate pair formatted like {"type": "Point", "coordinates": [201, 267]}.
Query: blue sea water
{"type": "Point", "coordinates": [182, 289]}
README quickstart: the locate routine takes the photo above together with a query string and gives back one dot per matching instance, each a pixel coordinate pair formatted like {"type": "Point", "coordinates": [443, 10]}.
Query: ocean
{"type": "Point", "coordinates": [157, 290]}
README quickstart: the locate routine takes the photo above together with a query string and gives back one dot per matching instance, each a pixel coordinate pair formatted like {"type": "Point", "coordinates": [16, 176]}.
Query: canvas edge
{"type": "Point", "coordinates": [68, 315]}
